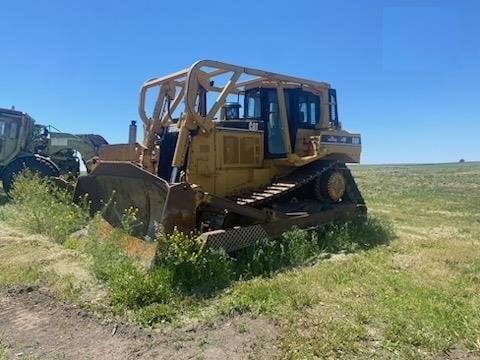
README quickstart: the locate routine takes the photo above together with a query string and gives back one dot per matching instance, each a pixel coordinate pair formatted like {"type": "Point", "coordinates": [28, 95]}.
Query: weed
{"type": "Point", "coordinates": [195, 267]}
{"type": "Point", "coordinates": [297, 246]}
{"type": "Point", "coordinates": [40, 207]}
{"type": "Point", "coordinates": [71, 243]}
{"type": "Point", "coordinates": [242, 328]}
{"type": "Point", "coordinates": [129, 220]}
{"type": "Point", "coordinates": [129, 285]}
{"type": "Point", "coordinates": [155, 313]}
{"type": "Point", "coordinates": [356, 235]}
{"type": "Point", "coordinates": [132, 288]}
{"type": "Point", "coordinates": [184, 267]}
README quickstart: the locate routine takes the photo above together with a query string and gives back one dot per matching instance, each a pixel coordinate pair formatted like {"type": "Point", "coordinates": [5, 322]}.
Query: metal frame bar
{"type": "Point", "coordinates": [188, 81]}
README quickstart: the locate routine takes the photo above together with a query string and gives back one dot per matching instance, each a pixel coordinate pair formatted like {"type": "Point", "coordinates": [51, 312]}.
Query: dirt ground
{"type": "Point", "coordinates": [35, 325]}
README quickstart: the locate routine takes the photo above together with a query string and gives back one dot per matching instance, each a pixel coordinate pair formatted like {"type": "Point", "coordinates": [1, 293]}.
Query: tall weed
{"type": "Point", "coordinates": [355, 235]}
{"type": "Point", "coordinates": [39, 206]}
{"type": "Point", "coordinates": [195, 267]}
{"type": "Point", "coordinates": [129, 285]}
{"type": "Point", "coordinates": [186, 266]}
{"type": "Point", "coordinates": [297, 246]}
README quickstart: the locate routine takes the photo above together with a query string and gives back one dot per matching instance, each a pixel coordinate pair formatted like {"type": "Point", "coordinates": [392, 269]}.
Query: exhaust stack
{"type": "Point", "coordinates": [132, 133]}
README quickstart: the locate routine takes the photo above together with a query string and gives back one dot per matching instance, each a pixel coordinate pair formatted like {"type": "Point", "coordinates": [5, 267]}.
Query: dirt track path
{"type": "Point", "coordinates": [34, 325]}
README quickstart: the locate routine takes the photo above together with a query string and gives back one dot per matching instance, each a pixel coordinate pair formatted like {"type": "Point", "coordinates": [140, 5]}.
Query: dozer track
{"type": "Point", "coordinates": [281, 188]}
{"type": "Point", "coordinates": [283, 191]}
{"type": "Point", "coordinates": [285, 185]}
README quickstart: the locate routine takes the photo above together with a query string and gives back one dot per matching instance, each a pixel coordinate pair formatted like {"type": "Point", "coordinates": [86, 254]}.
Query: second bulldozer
{"type": "Point", "coordinates": [25, 144]}
{"type": "Point", "coordinates": [235, 153]}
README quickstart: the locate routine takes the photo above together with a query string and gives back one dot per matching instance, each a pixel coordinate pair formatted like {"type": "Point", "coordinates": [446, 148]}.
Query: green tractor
{"type": "Point", "coordinates": [27, 145]}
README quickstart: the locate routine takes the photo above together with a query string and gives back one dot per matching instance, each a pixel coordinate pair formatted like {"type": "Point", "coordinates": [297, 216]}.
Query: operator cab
{"type": "Point", "coordinates": [302, 108]}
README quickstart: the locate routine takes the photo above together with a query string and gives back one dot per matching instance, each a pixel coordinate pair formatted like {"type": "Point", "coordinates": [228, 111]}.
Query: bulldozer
{"type": "Point", "coordinates": [232, 153]}
{"type": "Point", "coordinates": [24, 144]}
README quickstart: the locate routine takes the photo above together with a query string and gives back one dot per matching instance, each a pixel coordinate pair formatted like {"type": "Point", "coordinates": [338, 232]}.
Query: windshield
{"type": "Point", "coordinates": [9, 123]}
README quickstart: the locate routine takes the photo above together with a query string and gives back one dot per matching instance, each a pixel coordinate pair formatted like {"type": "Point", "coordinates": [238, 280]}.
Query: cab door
{"type": "Point", "coordinates": [263, 104]}
{"type": "Point", "coordinates": [274, 144]}
{"type": "Point", "coordinates": [303, 111]}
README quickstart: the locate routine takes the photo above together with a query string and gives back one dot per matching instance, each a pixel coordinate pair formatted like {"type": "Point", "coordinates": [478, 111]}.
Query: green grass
{"type": "Point", "coordinates": [404, 284]}
{"type": "Point", "coordinates": [414, 298]}
{"type": "Point", "coordinates": [42, 208]}
{"type": "Point", "coordinates": [187, 275]}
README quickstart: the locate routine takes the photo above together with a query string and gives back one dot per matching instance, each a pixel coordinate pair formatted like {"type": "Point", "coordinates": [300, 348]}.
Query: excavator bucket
{"type": "Point", "coordinates": [115, 188]}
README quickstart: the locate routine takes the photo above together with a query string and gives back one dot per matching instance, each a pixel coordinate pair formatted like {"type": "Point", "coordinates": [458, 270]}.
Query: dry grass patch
{"type": "Point", "coordinates": [36, 260]}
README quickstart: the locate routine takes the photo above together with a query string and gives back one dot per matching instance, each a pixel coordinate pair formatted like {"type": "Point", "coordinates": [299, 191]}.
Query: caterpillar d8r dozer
{"type": "Point", "coordinates": [235, 178]}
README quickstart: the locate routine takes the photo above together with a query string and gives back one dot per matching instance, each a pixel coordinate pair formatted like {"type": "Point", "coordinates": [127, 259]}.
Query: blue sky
{"type": "Point", "coordinates": [407, 73]}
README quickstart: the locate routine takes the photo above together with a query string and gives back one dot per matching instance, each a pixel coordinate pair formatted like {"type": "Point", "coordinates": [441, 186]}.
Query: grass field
{"type": "Point", "coordinates": [417, 296]}
{"type": "Point", "coordinates": [414, 295]}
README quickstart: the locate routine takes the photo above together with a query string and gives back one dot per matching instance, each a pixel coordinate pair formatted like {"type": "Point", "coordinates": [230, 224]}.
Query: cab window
{"type": "Point", "coordinates": [13, 130]}
{"type": "Point", "coordinates": [253, 104]}
{"type": "Point", "coordinates": [308, 110]}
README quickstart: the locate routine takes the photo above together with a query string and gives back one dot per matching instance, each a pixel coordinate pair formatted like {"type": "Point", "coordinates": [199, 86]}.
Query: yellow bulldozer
{"type": "Point", "coordinates": [233, 153]}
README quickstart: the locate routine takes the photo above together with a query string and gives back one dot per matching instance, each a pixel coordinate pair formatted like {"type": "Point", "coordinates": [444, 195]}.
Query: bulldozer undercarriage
{"type": "Point", "coordinates": [319, 193]}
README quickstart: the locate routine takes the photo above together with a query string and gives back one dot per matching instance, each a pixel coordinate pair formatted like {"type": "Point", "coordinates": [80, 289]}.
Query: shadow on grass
{"type": "Point", "coordinates": [3, 197]}
{"type": "Point", "coordinates": [215, 270]}
{"type": "Point", "coordinates": [298, 246]}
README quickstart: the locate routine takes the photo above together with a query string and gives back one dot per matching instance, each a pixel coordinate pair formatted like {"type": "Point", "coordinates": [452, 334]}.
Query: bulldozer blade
{"type": "Point", "coordinates": [115, 188]}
